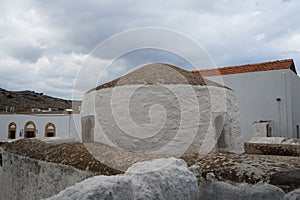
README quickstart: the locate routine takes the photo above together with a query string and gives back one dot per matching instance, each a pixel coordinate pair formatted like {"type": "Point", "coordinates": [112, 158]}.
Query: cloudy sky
{"type": "Point", "coordinates": [43, 44]}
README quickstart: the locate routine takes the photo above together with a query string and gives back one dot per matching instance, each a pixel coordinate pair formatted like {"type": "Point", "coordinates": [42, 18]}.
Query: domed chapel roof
{"type": "Point", "coordinates": [159, 73]}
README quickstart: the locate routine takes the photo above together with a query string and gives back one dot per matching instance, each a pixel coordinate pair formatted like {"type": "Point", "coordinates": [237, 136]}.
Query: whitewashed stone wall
{"type": "Point", "coordinates": [165, 119]}
{"type": "Point", "coordinates": [26, 178]}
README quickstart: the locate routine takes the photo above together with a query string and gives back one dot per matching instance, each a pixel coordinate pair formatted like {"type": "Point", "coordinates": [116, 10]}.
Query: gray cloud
{"type": "Point", "coordinates": [44, 43]}
{"type": "Point", "coordinates": [26, 53]}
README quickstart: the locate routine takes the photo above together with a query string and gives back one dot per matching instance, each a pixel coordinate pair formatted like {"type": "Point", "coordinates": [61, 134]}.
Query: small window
{"type": "Point", "coordinates": [12, 128]}
{"type": "Point", "coordinates": [50, 130]}
{"type": "Point", "coordinates": [30, 130]}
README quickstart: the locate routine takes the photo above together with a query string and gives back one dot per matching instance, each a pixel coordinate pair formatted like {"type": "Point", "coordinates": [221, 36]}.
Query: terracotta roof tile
{"type": "Point", "coordinates": [258, 67]}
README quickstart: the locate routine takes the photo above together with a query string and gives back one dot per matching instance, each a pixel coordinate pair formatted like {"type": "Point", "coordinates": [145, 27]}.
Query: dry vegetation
{"type": "Point", "coordinates": [24, 101]}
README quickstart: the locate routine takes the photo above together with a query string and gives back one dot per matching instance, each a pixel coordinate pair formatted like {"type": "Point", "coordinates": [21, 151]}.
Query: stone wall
{"type": "Point", "coordinates": [26, 178]}
{"type": "Point", "coordinates": [272, 149]}
{"type": "Point", "coordinates": [165, 119]}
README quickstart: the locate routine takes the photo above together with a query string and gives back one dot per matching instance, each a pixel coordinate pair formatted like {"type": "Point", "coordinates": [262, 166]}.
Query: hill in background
{"type": "Point", "coordinates": [25, 101]}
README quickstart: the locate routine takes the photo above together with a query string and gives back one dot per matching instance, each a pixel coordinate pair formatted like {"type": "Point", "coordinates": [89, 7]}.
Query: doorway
{"type": "Point", "coordinates": [220, 133]}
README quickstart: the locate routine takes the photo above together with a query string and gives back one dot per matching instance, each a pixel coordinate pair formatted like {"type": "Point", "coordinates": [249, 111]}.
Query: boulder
{"type": "Point", "coordinates": [294, 195]}
{"type": "Point", "coordinates": [212, 189]}
{"type": "Point", "coordinates": [286, 179]}
{"type": "Point", "coordinates": [166, 178]}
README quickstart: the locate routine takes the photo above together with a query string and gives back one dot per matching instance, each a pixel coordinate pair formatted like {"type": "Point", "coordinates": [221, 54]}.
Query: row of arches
{"type": "Point", "coordinates": [30, 130]}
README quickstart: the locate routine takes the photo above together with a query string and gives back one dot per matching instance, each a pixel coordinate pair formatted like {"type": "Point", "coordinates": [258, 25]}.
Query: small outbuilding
{"type": "Point", "coordinates": [162, 109]}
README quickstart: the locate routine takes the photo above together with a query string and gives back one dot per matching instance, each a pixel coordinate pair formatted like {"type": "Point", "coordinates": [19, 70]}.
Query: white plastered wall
{"type": "Point", "coordinates": [66, 125]}
{"type": "Point", "coordinates": [257, 94]}
{"type": "Point", "coordinates": [164, 119]}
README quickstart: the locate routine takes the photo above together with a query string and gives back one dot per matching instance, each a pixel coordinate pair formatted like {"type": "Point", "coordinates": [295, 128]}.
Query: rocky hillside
{"type": "Point", "coordinates": [24, 101]}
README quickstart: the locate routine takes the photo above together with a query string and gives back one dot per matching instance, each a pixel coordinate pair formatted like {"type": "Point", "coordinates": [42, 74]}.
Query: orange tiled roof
{"type": "Point", "coordinates": [258, 67]}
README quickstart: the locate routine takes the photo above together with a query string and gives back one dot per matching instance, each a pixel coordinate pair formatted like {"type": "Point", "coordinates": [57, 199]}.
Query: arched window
{"type": "Point", "coordinates": [29, 130]}
{"type": "Point", "coordinates": [12, 129]}
{"type": "Point", "coordinates": [50, 130]}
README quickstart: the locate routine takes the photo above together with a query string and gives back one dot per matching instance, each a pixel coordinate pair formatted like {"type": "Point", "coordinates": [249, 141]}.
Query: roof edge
{"type": "Point", "coordinates": [247, 68]}
{"type": "Point", "coordinates": [188, 77]}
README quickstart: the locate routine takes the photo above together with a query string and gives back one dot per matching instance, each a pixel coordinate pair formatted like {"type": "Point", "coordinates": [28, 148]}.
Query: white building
{"type": "Point", "coordinates": [267, 93]}
{"type": "Point", "coordinates": [162, 109]}
{"type": "Point", "coordinates": [31, 125]}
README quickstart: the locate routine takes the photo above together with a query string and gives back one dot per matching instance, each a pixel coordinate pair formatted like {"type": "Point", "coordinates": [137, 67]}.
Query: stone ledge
{"type": "Point", "coordinates": [272, 149]}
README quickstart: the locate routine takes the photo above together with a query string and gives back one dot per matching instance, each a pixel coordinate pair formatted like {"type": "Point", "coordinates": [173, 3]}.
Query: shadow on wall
{"type": "Point", "coordinates": [88, 125]}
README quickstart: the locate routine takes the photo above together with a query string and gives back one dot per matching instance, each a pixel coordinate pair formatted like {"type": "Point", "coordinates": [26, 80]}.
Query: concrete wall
{"type": "Point", "coordinates": [257, 93]}
{"type": "Point", "coordinates": [164, 119]}
{"type": "Point", "coordinates": [26, 178]}
{"type": "Point", "coordinates": [66, 125]}
{"type": "Point", "coordinates": [295, 100]}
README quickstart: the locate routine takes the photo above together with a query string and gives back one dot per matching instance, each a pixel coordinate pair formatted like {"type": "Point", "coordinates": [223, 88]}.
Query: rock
{"type": "Point", "coordinates": [158, 179]}
{"type": "Point", "coordinates": [211, 189]}
{"type": "Point", "coordinates": [195, 169]}
{"type": "Point", "coordinates": [287, 179]}
{"type": "Point", "coordinates": [99, 187]}
{"type": "Point", "coordinates": [294, 195]}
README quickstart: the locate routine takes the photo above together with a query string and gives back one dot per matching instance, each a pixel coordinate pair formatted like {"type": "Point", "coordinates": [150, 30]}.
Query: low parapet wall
{"type": "Point", "coordinates": [272, 149]}
{"type": "Point", "coordinates": [27, 178]}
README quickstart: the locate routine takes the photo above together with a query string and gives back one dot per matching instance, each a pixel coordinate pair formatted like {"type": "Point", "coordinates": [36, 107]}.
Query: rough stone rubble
{"type": "Point", "coordinates": [228, 168]}
{"type": "Point", "coordinates": [157, 179]}
{"type": "Point", "coordinates": [169, 178]}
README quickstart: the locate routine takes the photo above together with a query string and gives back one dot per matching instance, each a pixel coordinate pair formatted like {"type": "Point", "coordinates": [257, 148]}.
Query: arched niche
{"type": "Point", "coordinates": [29, 130]}
{"type": "Point", "coordinates": [12, 129]}
{"type": "Point", "coordinates": [50, 130]}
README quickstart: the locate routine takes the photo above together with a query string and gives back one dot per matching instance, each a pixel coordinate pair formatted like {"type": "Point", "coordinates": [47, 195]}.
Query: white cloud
{"type": "Point", "coordinates": [54, 74]}
{"type": "Point", "coordinates": [44, 43]}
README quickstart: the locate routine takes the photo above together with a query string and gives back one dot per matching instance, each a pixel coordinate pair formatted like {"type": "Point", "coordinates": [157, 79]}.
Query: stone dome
{"type": "Point", "coordinates": [159, 73]}
{"type": "Point", "coordinates": [162, 109]}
